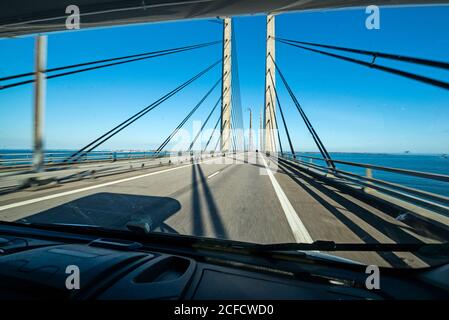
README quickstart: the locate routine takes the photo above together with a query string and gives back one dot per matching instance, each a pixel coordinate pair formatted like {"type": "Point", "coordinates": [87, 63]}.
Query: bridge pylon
{"type": "Point", "coordinates": [269, 124]}
{"type": "Point", "coordinates": [226, 103]}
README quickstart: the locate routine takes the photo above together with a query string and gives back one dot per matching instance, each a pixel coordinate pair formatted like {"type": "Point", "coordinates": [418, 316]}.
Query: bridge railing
{"type": "Point", "coordinates": [24, 159]}
{"type": "Point", "coordinates": [23, 177]}
{"type": "Point", "coordinates": [432, 201]}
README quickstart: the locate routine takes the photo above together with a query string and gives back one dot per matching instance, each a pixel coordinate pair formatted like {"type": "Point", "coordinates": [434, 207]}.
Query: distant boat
{"type": "Point", "coordinates": [407, 152]}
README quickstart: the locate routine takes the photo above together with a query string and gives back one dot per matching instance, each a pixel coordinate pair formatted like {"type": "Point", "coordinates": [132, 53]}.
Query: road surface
{"type": "Point", "coordinates": [238, 197]}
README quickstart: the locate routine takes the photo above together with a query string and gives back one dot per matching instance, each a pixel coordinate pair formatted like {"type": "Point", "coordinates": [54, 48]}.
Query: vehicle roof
{"type": "Point", "coordinates": [25, 17]}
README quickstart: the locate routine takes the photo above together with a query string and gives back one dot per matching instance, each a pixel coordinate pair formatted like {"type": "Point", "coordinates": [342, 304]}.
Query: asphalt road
{"type": "Point", "coordinates": [235, 197]}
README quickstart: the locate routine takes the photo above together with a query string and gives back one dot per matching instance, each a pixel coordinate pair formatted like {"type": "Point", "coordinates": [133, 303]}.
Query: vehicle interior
{"type": "Point", "coordinates": [228, 216]}
{"type": "Point", "coordinates": [120, 266]}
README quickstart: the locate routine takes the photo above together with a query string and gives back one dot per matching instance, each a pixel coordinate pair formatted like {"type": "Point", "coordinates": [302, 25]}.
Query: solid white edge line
{"type": "Point", "coordinates": [66, 193]}
{"type": "Point", "coordinates": [299, 230]}
{"type": "Point", "coordinates": [213, 174]}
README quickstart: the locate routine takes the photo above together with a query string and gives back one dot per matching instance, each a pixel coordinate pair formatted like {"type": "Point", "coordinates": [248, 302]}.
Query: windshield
{"type": "Point", "coordinates": [328, 125]}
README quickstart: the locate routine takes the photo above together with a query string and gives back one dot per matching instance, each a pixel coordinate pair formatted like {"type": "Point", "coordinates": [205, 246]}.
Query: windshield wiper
{"type": "Point", "coordinates": [142, 230]}
{"type": "Point", "coordinates": [68, 226]}
{"type": "Point", "coordinates": [78, 229]}
{"type": "Point", "coordinates": [438, 248]}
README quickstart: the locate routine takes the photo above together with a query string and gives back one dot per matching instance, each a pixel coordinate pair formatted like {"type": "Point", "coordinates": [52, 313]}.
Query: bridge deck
{"type": "Point", "coordinates": [236, 200]}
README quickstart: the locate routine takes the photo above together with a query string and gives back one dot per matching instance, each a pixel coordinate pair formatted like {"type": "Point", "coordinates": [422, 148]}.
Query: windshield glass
{"type": "Point", "coordinates": [328, 125]}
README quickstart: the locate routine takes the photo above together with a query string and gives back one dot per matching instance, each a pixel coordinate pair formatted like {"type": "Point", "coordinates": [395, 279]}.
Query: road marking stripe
{"type": "Point", "coordinates": [213, 175]}
{"type": "Point", "coordinates": [299, 230]}
{"type": "Point", "coordinates": [66, 193]}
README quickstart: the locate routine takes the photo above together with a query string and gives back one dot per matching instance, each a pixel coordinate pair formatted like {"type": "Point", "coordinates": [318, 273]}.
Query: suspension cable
{"type": "Point", "coordinates": [167, 140]}
{"type": "Point", "coordinates": [405, 74]}
{"type": "Point", "coordinates": [233, 138]}
{"type": "Point", "coordinates": [216, 144]}
{"type": "Point", "coordinates": [204, 124]}
{"type": "Point", "coordinates": [225, 123]}
{"type": "Point", "coordinates": [147, 55]}
{"type": "Point", "coordinates": [195, 46]}
{"type": "Point", "coordinates": [282, 115]}
{"type": "Point", "coordinates": [237, 106]}
{"type": "Point", "coordinates": [377, 54]}
{"type": "Point", "coordinates": [272, 138]}
{"type": "Point", "coordinates": [312, 131]}
{"type": "Point", "coordinates": [213, 131]}
{"type": "Point", "coordinates": [109, 60]}
{"type": "Point", "coordinates": [215, 128]}
{"type": "Point", "coordinates": [218, 121]}
{"type": "Point", "coordinates": [273, 114]}
{"type": "Point", "coordinates": [233, 123]}
{"type": "Point", "coordinates": [139, 114]}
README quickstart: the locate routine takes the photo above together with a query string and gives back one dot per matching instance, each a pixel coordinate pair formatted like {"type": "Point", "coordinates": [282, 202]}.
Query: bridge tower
{"type": "Point", "coordinates": [226, 103]}
{"type": "Point", "coordinates": [269, 124]}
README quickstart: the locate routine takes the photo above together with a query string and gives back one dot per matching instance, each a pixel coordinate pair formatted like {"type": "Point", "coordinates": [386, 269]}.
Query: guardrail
{"type": "Point", "coordinates": [420, 174]}
{"type": "Point", "coordinates": [20, 160]}
{"type": "Point", "coordinates": [20, 179]}
{"type": "Point", "coordinates": [429, 200]}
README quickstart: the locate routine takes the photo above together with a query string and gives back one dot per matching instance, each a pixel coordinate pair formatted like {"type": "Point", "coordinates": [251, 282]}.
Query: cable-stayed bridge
{"type": "Point", "coordinates": [229, 184]}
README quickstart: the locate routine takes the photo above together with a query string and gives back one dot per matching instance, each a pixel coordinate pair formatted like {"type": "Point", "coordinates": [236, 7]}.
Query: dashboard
{"type": "Point", "coordinates": [32, 267]}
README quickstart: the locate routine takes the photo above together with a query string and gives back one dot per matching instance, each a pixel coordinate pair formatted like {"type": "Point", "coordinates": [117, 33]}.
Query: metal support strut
{"type": "Point", "coordinates": [39, 102]}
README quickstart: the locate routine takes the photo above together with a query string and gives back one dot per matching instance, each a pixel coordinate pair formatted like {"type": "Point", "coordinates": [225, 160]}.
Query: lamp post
{"type": "Point", "coordinates": [250, 143]}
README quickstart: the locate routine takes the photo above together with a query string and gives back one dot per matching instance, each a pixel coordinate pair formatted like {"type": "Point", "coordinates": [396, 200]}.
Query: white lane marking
{"type": "Point", "coordinates": [62, 194]}
{"type": "Point", "coordinates": [213, 175]}
{"type": "Point", "coordinates": [299, 230]}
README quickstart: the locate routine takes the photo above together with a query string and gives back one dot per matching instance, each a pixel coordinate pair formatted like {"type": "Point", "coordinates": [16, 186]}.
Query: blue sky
{"type": "Point", "coordinates": [353, 108]}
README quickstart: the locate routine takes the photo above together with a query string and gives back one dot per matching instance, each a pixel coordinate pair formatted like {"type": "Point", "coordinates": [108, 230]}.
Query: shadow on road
{"type": "Point", "coordinates": [392, 231]}
{"type": "Point", "coordinates": [198, 228]}
{"type": "Point", "coordinates": [197, 211]}
{"type": "Point", "coordinates": [217, 222]}
{"type": "Point", "coordinates": [112, 210]}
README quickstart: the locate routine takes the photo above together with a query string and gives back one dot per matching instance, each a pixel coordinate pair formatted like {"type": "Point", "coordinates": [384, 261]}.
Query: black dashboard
{"type": "Point", "coordinates": [36, 267]}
